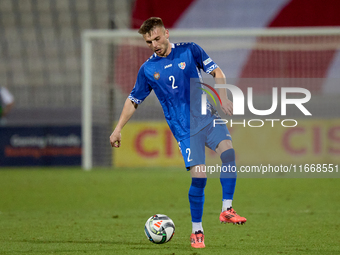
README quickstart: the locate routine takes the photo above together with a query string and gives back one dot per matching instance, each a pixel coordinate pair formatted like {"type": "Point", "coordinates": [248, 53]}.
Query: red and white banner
{"type": "Point", "coordinates": [257, 14]}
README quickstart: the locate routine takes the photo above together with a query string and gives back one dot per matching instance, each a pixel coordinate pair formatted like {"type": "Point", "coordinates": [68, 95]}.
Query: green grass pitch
{"type": "Point", "coordinates": [69, 211]}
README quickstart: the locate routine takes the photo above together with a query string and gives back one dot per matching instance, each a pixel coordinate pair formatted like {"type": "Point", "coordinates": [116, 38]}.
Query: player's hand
{"type": "Point", "coordinates": [227, 107]}
{"type": "Point", "coordinates": [115, 139]}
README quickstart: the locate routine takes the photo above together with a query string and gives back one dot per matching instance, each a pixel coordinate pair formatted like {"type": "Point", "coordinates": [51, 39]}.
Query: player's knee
{"type": "Point", "coordinates": [228, 156]}
{"type": "Point", "coordinates": [223, 146]}
{"type": "Point", "coordinates": [198, 182]}
{"type": "Point", "coordinates": [228, 169]}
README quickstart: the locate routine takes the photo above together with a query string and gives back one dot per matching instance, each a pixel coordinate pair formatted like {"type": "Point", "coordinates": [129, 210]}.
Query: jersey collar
{"type": "Point", "coordinates": [172, 46]}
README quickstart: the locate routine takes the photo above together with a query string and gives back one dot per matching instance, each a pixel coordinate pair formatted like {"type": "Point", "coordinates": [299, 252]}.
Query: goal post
{"type": "Point", "coordinates": [111, 59]}
{"type": "Point", "coordinates": [87, 38]}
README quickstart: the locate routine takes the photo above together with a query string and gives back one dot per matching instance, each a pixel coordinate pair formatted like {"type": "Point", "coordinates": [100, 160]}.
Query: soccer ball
{"type": "Point", "coordinates": [159, 228]}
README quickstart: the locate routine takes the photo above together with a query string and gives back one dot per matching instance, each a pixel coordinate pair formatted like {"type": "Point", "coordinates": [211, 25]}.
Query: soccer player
{"type": "Point", "coordinates": [171, 72]}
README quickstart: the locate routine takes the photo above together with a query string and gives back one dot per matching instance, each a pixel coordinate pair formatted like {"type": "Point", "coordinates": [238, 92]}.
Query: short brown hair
{"type": "Point", "coordinates": [149, 24]}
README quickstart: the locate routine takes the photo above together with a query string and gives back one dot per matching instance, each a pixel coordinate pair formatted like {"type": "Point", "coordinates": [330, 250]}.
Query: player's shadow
{"type": "Point", "coordinates": [77, 242]}
{"type": "Point", "coordinates": [131, 245]}
{"type": "Point", "coordinates": [108, 247]}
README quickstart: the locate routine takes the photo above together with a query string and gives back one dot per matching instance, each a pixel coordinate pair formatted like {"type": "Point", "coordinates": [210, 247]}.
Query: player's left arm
{"type": "Point", "coordinates": [227, 105]}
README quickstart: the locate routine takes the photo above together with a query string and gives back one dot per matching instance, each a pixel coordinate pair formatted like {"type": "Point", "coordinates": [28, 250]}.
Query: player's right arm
{"type": "Point", "coordinates": [140, 91]}
{"type": "Point", "coordinates": [127, 112]}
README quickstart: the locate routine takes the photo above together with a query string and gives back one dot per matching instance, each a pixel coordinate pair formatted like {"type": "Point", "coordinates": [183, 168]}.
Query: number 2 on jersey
{"type": "Point", "coordinates": [172, 78]}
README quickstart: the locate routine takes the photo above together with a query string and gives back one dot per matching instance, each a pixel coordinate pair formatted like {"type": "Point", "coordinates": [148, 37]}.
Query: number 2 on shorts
{"type": "Point", "coordinates": [189, 152]}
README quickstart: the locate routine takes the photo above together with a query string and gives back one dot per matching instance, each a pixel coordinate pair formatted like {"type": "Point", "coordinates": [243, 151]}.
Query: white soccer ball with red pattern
{"type": "Point", "coordinates": [159, 229]}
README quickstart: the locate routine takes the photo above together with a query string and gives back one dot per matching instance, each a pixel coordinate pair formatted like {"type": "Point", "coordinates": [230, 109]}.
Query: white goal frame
{"type": "Point", "coordinates": [88, 35]}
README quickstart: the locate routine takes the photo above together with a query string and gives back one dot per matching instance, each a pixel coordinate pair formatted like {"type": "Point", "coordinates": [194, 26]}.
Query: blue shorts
{"type": "Point", "coordinates": [193, 148]}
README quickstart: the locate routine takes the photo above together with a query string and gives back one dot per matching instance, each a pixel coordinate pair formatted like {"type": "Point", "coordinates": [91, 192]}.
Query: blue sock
{"type": "Point", "coordinates": [228, 176]}
{"type": "Point", "coordinates": [196, 198]}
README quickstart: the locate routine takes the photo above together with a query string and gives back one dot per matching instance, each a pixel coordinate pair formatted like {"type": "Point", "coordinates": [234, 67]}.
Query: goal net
{"type": "Point", "coordinates": [111, 60]}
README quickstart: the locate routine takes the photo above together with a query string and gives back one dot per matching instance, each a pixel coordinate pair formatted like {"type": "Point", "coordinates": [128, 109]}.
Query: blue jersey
{"type": "Point", "coordinates": [175, 80]}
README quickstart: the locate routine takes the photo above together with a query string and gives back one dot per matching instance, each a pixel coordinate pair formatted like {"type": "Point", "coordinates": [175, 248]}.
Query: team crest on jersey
{"type": "Point", "coordinates": [181, 65]}
{"type": "Point", "coordinates": [156, 75]}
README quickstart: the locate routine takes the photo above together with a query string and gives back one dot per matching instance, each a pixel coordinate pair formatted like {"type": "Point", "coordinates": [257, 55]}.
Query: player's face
{"type": "Point", "coordinates": [158, 41]}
